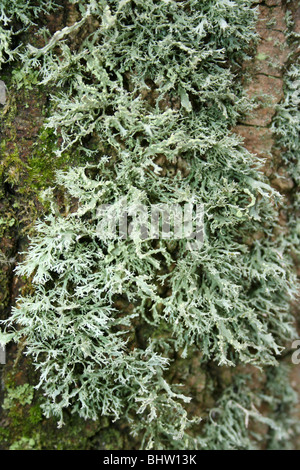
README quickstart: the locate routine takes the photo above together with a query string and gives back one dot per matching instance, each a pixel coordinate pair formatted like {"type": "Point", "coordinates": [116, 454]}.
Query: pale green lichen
{"type": "Point", "coordinates": [15, 17]}
{"type": "Point", "coordinates": [149, 94]}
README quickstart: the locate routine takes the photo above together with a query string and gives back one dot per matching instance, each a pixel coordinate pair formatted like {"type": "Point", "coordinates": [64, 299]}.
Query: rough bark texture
{"type": "Point", "coordinates": [27, 165]}
{"type": "Point", "coordinates": [267, 69]}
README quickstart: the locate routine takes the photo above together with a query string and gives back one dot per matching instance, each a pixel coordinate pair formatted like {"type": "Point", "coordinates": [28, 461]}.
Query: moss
{"type": "Point", "coordinates": [35, 414]}
{"type": "Point", "coordinates": [25, 427]}
{"type": "Point", "coordinates": [22, 394]}
{"type": "Point", "coordinates": [111, 439]}
{"type": "Point", "coordinates": [42, 164]}
{"type": "Point", "coordinates": [25, 444]}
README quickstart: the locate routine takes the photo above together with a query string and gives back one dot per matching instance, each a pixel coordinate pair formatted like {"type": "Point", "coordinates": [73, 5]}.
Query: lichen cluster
{"type": "Point", "coordinates": [147, 92]}
{"type": "Point", "coordinates": [15, 18]}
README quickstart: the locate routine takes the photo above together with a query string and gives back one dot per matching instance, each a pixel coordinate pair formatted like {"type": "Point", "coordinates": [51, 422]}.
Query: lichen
{"type": "Point", "coordinates": [147, 93]}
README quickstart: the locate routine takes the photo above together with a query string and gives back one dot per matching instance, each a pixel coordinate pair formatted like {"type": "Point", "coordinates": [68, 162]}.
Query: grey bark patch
{"type": "Point", "coordinates": [2, 354]}
{"type": "Point", "coordinates": [2, 92]}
